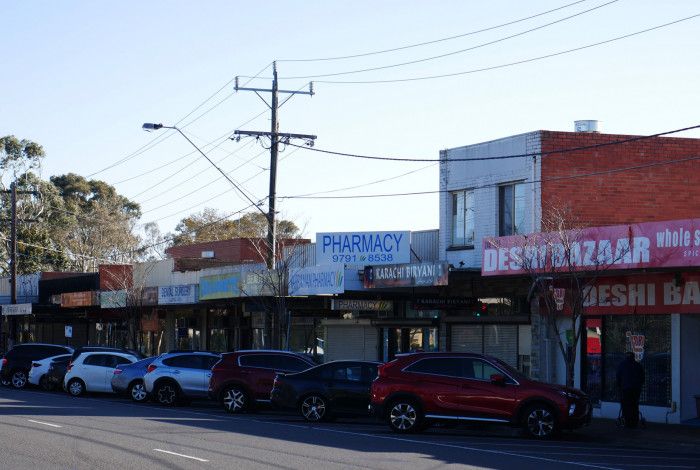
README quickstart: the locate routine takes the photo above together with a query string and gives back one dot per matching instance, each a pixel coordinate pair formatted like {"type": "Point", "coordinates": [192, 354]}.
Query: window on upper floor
{"type": "Point", "coordinates": [462, 218]}
{"type": "Point", "coordinates": [511, 209]}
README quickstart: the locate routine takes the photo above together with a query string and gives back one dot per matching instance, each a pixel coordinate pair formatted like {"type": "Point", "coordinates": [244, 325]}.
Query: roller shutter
{"type": "Point", "coordinates": [356, 342]}
{"type": "Point", "coordinates": [467, 338]}
{"type": "Point", "coordinates": [495, 340]}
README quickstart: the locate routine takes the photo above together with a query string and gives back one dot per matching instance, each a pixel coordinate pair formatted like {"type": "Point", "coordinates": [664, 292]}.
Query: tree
{"type": "Point", "coordinates": [212, 225]}
{"type": "Point", "coordinates": [18, 156]}
{"type": "Point", "coordinates": [560, 280]}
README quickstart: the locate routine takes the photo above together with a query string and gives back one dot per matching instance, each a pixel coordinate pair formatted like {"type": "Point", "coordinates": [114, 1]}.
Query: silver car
{"type": "Point", "coordinates": [179, 376]}
{"type": "Point", "coordinates": [128, 379]}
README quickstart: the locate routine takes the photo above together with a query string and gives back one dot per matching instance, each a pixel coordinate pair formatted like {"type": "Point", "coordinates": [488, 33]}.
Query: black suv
{"type": "Point", "coordinates": [14, 367]}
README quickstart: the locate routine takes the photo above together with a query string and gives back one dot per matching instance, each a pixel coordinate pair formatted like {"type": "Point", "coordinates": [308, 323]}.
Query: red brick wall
{"type": "Point", "coordinates": [664, 192]}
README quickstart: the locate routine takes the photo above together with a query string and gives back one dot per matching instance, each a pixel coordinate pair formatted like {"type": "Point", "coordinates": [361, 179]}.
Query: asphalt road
{"type": "Point", "coordinates": [40, 430]}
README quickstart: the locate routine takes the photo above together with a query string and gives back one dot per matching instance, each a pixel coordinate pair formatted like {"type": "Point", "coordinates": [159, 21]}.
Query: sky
{"type": "Point", "coordinates": [80, 77]}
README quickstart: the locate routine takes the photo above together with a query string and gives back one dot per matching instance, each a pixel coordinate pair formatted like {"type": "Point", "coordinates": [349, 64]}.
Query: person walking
{"type": "Point", "coordinates": [630, 378]}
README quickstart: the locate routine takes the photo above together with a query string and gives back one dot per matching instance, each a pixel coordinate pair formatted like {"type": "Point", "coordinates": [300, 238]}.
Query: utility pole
{"type": "Point", "coordinates": [12, 334]}
{"type": "Point", "coordinates": [275, 138]}
{"type": "Point", "coordinates": [272, 324]}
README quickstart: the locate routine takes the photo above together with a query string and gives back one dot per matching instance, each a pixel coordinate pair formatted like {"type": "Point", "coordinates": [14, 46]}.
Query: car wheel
{"type": "Point", "coordinates": [234, 400]}
{"type": "Point", "coordinates": [539, 422]}
{"type": "Point", "coordinates": [19, 379]}
{"type": "Point", "coordinates": [137, 392]}
{"type": "Point", "coordinates": [167, 394]}
{"type": "Point", "coordinates": [76, 387]}
{"type": "Point", "coordinates": [45, 384]}
{"type": "Point", "coordinates": [5, 382]}
{"type": "Point", "coordinates": [405, 416]}
{"type": "Point", "coordinates": [314, 409]}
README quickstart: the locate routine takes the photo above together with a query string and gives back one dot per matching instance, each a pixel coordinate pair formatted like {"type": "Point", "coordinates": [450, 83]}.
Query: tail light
{"type": "Point", "coordinates": [4, 361]}
{"type": "Point", "coordinates": [36, 364]}
{"type": "Point", "coordinates": [70, 366]}
{"type": "Point", "coordinates": [117, 371]}
{"type": "Point", "coordinates": [151, 368]}
{"type": "Point", "coordinates": [381, 370]}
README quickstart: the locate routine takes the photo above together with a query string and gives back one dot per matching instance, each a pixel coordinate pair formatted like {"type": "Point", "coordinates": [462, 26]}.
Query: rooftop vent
{"type": "Point", "coordinates": [587, 125]}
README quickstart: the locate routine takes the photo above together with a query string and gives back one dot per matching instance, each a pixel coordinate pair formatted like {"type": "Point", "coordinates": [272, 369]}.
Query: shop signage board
{"type": "Point", "coordinates": [362, 305]}
{"type": "Point", "coordinates": [363, 247]}
{"type": "Point", "coordinates": [149, 296]}
{"type": "Point", "coordinates": [113, 298]}
{"type": "Point", "coordinates": [220, 286]}
{"type": "Point", "coordinates": [262, 283]}
{"type": "Point", "coordinates": [406, 275]}
{"type": "Point", "coordinates": [643, 295]}
{"type": "Point", "coordinates": [447, 303]}
{"type": "Point", "coordinates": [17, 309]}
{"type": "Point", "coordinates": [181, 294]}
{"type": "Point", "coordinates": [670, 244]}
{"type": "Point", "coordinates": [79, 299]}
{"type": "Point", "coordinates": [317, 280]}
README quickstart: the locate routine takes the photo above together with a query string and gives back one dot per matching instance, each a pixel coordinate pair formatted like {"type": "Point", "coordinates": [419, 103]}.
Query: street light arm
{"type": "Point", "coordinates": [151, 126]}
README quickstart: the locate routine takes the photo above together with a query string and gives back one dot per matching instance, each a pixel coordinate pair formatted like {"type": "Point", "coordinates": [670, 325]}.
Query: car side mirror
{"type": "Point", "coordinates": [498, 379]}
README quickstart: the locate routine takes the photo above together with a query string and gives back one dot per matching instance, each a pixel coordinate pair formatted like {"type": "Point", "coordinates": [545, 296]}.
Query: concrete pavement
{"type": "Point", "coordinates": [53, 430]}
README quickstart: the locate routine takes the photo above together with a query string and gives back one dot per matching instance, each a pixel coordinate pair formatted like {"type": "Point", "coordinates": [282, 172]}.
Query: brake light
{"type": "Point", "coordinates": [70, 366]}
{"type": "Point", "coordinates": [4, 361]}
{"type": "Point", "coordinates": [151, 368]}
{"type": "Point", "coordinates": [117, 371]}
{"type": "Point", "coordinates": [36, 364]}
{"type": "Point", "coordinates": [381, 370]}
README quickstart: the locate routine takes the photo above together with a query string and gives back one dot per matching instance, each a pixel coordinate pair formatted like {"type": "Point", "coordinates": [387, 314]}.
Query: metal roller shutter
{"type": "Point", "coordinates": [350, 342]}
{"type": "Point", "coordinates": [501, 341]}
{"type": "Point", "coordinates": [467, 338]}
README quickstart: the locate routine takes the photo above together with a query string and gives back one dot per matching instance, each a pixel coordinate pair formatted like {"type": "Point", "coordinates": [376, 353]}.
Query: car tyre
{"type": "Point", "coordinates": [234, 400]}
{"type": "Point", "coordinates": [76, 387]}
{"type": "Point", "coordinates": [19, 379]}
{"type": "Point", "coordinates": [405, 416]}
{"type": "Point", "coordinates": [167, 394]}
{"type": "Point", "coordinates": [137, 392]}
{"type": "Point", "coordinates": [314, 409]}
{"type": "Point", "coordinates": [539, 422]}
{"type": "Point", "coordinates": [5, 382]}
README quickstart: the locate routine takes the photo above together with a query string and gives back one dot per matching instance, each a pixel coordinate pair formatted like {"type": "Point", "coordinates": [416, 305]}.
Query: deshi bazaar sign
{"type": "Point", "coordinates": [669, 244]}
{"type": "Point", "coordinates": [363, 247]}
{"type": "Point", "coordinates": [406, 275]}
{"type": "Point", "coordinates": [643, 295]}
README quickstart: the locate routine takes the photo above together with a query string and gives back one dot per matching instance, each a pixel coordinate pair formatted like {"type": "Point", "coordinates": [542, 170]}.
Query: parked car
{"type": "Point", "coordinates": [37, 373]}
{"type": "Point", "coordinates": [93, 371]}
{"type": "Point", "coordinates": [56, 372]}
{"type": "Point", "coordinates": [18, 361]}
{"type": "Point", "coordinates": [416, 389]}
{"type": "Point", "coordinates": [105, 349]}
{"type": "Point", "coordinates": [128, 379]}
{"type": "Point", "coordinates": [323, 392]}
{"type": "Point", "coordinates": [179, 376]}
{"type": "Point", "coordinates": [242, 379]}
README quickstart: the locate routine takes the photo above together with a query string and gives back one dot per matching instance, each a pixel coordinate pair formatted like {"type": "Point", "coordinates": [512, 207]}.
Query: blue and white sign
{"type": "Point", "coordinates": [172, 295]}
{"type": "Point", "coordinates": [363, 247]}
{"type": "Point", "coordinates": [317, 280]}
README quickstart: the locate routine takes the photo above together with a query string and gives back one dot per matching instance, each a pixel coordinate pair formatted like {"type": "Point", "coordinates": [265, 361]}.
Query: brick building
{"type": "Point", "coordinates": [501, 188]}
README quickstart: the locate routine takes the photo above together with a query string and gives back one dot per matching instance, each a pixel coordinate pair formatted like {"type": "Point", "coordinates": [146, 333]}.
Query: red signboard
{"type": "Point", "coordinates": [674, 243]}
{"type": "Point", "coordinates": [79, 299]}
{"type": "Point", "coordinates": [644, 294]}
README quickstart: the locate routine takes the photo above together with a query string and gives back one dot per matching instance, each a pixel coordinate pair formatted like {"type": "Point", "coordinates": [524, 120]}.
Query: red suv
{"type": "Point", "coordinates": [242, 379]}
{"type": "Point", "coordinates": [415, 389]}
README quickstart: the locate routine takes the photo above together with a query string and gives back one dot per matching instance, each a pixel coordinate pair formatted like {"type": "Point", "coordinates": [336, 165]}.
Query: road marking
{"type": "Point", "coordinates": [181, 455]}
{"type": "Point", "coordinates": [663, 457]}
{"type": "Point", "coordinates": [647, 465]}
{"type": "Point", "coordinates": [45, 424]}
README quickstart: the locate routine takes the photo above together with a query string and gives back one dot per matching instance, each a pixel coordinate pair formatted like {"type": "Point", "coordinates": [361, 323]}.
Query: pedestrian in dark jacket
{"type": "Point", "coordinates": [630, 378]}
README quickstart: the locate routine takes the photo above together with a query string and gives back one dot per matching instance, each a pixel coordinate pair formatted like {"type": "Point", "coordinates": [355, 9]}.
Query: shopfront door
{"type": "Point", "coordinates": [399, 340]}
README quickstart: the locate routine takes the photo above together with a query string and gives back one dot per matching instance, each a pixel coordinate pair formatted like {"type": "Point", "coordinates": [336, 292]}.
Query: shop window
{"type": "Point", "coordinates": [462, 219]}
{"type": "Point", "coordinates": [649, 338]}
{"type": "Point", "coordinates": [511, 209]}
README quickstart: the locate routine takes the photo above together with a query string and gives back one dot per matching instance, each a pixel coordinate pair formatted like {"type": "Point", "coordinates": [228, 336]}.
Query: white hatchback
{"type": "Point", "coordinates": [40, 367]}
{"type": "Point", "coordinates": [93, 371]}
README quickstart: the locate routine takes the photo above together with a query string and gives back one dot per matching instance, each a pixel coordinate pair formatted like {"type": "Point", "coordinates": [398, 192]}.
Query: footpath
{"type": "Point", "coordinates": [658, 436]}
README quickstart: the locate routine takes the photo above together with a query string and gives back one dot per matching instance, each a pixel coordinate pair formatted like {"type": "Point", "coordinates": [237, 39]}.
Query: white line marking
{"type": "Point", "coordinates": [646, 465]}
{"type": "Point", "coordinates": [45, 424]}
{"type": "Point", "coordinates": [181, 455]}
{"type": "Point", "coordinates": [663, 457]}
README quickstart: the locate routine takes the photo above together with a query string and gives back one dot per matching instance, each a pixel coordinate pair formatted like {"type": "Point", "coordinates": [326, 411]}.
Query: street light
{"type": "Point", "coordinates": [150, 126]}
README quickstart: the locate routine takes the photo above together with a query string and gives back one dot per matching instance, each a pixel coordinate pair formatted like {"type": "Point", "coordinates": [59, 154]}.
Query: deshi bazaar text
{"type": "Point", "coordinates": [633, 250]}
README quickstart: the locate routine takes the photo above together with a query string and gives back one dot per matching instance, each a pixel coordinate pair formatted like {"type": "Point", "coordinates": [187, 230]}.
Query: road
{"type": "Point", "coordinates": [40, 430]}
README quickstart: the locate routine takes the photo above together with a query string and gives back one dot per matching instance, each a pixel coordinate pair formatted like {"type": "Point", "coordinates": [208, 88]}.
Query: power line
{"type": "Point", "coordinates": [400, 48]}
{"type": "Point", "coordinates": [448, 54]}
{"type": "Point", "coordinates": [510, 64]}
{"type": "Point", "coordinates": [495, 185]}
{"type": "Point", "coordinates": [500, 157]}
{"type": "Point", "coordinates": [162, 138]}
